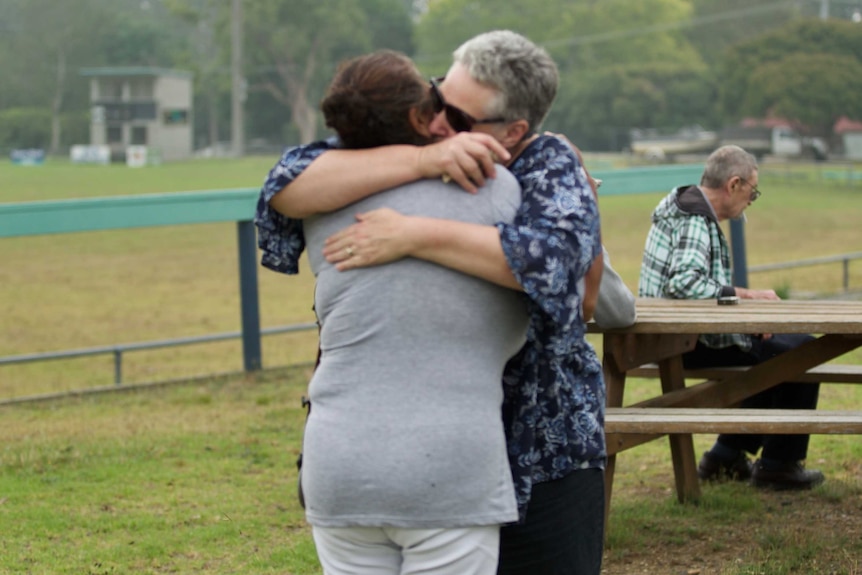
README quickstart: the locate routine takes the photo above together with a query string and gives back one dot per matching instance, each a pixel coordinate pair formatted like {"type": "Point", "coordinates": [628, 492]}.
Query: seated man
{"type": "Point", "coordinates": [686, 257]}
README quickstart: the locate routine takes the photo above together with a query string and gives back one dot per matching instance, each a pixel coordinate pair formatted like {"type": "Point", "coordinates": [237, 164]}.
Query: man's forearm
{"type": "Point", "coordinates": [472, 249]}
{"type": "Point", "coordinates": [340, 177]}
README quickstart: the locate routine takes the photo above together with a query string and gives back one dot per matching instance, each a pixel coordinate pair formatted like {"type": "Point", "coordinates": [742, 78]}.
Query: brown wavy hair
{"type": "Point", "coordinates": [369, 100]}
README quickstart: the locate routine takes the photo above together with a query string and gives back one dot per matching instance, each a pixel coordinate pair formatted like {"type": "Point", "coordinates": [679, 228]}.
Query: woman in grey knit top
{"type": "Point", "coordinates": [404, 454]}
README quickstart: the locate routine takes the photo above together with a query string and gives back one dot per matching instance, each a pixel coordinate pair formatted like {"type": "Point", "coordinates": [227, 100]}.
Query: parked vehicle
{"type": "Point", "coordinates": [763, 140]}
{"type": "Point", "coordinates": [657, 147]}
{"type": "Point", "coordinates": [782, 141]}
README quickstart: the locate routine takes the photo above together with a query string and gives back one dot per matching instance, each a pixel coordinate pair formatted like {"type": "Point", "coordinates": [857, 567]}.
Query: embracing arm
{"type": "Point", "coordinates": [468, 248]}
{"type": "Point", "coordinates": [322, 186]}
{"type": "Point", "coordinates": [338, 177]}
{"type": "Point", "coordinates": [384, 235]}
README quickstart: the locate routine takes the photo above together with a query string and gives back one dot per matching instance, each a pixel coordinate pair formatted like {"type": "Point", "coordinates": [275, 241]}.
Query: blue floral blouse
{"type": "Point", "coordinates": [554, 394]}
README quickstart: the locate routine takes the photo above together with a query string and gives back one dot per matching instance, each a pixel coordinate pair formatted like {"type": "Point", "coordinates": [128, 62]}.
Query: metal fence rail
{"type": "Point", "coordinates": [845, 260]}
{"type": "Point", "coordinates": [119, 349]}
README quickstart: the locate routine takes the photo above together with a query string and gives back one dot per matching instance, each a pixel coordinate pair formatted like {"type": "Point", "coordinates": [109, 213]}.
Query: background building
{"type": "Point", "coordinates": [850, 134]}
{"type": "Point", "coordinates": [138, 106]}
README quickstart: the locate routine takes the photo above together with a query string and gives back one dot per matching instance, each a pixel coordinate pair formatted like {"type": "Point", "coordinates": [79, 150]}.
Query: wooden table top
{"type": "Point", "coordinates": [667, 316]}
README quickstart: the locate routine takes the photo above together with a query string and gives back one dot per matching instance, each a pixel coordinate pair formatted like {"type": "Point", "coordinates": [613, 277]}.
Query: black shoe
{"type": "Point", "coordinates": [711, 468]}
{"type": "Point", "coordinates": [790, 476]}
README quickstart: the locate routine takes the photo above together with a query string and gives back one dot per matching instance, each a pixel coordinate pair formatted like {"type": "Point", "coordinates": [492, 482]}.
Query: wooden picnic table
{"type": "Point", "coordinates": [666, 329]}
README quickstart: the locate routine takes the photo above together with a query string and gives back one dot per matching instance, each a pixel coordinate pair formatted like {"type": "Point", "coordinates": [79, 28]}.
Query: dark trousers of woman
{"type": "Point", "coordinates": [564, 530]}
{"type": "Point", "coordinates": [789, 395]}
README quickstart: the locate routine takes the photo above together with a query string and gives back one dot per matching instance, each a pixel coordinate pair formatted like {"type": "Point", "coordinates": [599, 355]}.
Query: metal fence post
{"type": "Point", "coordinates": [247, 245]}
{"type": "Point", "coordinates": [846, 263]}
{"type": "Point", "coordinates": [737, 248]}
{"type": "Point", "coordinates": [118, 367]}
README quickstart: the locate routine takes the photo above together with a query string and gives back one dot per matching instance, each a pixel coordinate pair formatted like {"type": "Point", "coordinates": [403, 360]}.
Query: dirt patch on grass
{"type": "Point", "coordinates": [738, 530]}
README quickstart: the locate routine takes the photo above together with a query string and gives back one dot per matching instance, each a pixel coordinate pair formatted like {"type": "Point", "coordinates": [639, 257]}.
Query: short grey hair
{"type": "Point", "coordinates": [524, 75]}
{"type": "Point", "coordinates": [726, 162]}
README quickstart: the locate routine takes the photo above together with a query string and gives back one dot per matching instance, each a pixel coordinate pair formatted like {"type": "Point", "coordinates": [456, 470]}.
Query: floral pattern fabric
{"type": "Point", "coordinates": [554, 399]}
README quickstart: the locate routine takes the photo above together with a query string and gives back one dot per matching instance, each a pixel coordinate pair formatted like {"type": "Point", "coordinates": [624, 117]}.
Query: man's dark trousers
{"type": "Point", "coordinates": [789, 395]}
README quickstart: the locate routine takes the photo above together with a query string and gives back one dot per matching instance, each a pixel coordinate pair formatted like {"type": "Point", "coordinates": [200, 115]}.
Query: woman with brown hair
{"type": "Point", "coordinates": [405, 467]}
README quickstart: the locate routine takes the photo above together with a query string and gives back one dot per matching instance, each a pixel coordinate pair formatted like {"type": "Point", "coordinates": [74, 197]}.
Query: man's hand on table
{"type": "Point", "coordinates": [767, 294]}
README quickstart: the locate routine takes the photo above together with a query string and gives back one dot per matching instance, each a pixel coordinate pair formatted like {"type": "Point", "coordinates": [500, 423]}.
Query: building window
{"type": "Point", "coordinates": [175, 117]}
{"type": "Point", "coordinates": [141, 89]}
{"type": "Point", "coordinates": [114, 134]}
{"type": "Point", "coordinates": [142, 111]}
{"type": "Point", "coordinates": [139, 135]}
{"type": "Point", "coordinates": [127, 111]}
{"type": "Point", "coordinates": [110, 90]}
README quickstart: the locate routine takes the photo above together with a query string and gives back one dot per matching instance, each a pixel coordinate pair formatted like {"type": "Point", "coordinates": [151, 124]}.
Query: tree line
{"type": "Point", "coordinates": [651, 64]}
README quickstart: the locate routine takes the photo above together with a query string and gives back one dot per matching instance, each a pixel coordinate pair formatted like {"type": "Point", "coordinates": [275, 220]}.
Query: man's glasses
{"type": "Point", "coordinates": [755, 193]}
{"type": "Point", "coordinates": [458, 119]}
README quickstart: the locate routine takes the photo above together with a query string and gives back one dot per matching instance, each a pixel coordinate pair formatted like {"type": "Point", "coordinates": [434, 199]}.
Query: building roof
{"type": "Point", "coordinates": [845, 124]}
{"type": "Point", "coordinates": [134, 71]}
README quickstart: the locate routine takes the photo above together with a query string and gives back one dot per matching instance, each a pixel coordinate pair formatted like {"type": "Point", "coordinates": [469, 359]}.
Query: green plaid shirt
{"type": "Point", "coordinates": [686, 257]}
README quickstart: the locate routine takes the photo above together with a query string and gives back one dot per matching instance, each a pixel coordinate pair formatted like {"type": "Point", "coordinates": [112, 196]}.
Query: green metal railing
{"type": "Point", "coordinates": [67, 216]}
{"type": "Point", "coordinates": [233, 205]}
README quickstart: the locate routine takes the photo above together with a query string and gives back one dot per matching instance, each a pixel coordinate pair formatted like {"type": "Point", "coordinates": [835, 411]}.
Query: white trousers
{"type": "Point", "coordinates": [395, 551]}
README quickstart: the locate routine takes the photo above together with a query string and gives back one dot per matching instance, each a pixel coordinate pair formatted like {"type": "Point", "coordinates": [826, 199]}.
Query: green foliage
{"type": "Point", "coordinates": [720, 24]}
{"type": "Point", "coordinates": [599, 111]}
{"type": "Point", "coordinates": [825, 54]}
{"type": "Point", "coordinates": [390, 25]}
{"type": "Point", "coordinates": [814, 89]}
{"type": "Point", "coordinates": [31, 128]}
{"type": "Point", "coordinates": [582, 36]}
{"type": "Point", "coordinates": [207, 55]}
{"type": "Point", "coordinates": [294, 60]}
{"type": "Point", "coordinates": [25, 128]}
{"type": "Point", "coordinates": [142, 40]}
{"type": "Point", "coordinates": [51, 41]}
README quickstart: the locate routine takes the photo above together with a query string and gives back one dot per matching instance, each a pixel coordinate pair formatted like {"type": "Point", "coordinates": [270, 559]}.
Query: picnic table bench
{"type": "Point", "coordinates": [666, 329]}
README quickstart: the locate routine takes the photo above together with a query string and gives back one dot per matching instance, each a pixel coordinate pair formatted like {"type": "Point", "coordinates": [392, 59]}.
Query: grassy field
{"type": "Point", "coordinates": [89, 289]}
{"type": "Point", "coordinates": [70, 291]}
{"type": "Point", "coordinates": [199, 477]}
